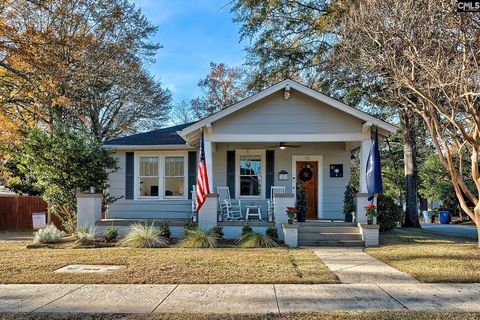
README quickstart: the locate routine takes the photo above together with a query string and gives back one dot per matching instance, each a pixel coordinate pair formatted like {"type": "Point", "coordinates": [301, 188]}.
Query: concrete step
{"type": "Point", "coordinates": [331, 243]}
{"type": "Point", "coordinates": [329, 236]}
{"type": "Point", "coordinates": [314, 223]}
{"type": "Point", "coordinates": [312, 229]}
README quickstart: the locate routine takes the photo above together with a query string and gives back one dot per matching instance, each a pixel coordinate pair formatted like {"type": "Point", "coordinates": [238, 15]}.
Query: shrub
{"type": "Point", "coordinates": [246, 230]}
{"type": "Point", "coordinates": [164, 229]}
{"type": "Point", "coordinates": [272, 232]}
{"type": "Point", "coordinates": [199, 239]}
{"type": "Point", "coordinates": [111, 233]}
{"type": "Point", "coordinates": [389, 213]}
{"type": "Point", "coordinates": [190, 225]}
{"type": "Point", "coordinates": [84, 236]}
{"type": "Point", "coordinates": [143, 236]}
{"type": "Point", "coordinates": [349, 202]}
{"type": "Point", "coordinates": [256, 240]}
{"type": "Point", "coordinates": [49, 234]}
{"type": "Point", "coordinates": [218, 230]}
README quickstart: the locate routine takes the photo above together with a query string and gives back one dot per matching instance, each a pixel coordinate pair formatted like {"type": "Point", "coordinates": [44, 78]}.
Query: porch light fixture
{"type": "Point", "coordinates": [282, 146]}
{"type": "Point", "coordinates": [286, 93]}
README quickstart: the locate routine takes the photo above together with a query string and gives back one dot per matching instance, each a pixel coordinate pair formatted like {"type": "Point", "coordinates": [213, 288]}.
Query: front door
{"type": "Point", "coordinates": [307, 176]}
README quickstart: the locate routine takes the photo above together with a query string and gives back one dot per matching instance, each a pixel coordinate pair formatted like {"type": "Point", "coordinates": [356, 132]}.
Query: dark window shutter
{"type": "Point", "coordinates": [129, 175]}
{"type": "Point", "coordinates": [192, 171]}
{"type": "Point", "coordinates": [231, 172]}
{"type": "Point", "coordinates": [270, 172]}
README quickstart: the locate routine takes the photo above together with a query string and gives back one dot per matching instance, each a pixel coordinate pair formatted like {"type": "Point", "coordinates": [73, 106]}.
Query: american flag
{"type": "Point", "coordinates": [203, 188]}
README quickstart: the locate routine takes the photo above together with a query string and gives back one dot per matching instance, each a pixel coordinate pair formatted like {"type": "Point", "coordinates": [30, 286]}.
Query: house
{"type": "Point", "coordinates": [276, 137]}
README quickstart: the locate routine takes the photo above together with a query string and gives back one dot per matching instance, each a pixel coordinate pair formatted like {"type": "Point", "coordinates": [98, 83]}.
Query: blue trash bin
{"type": "Point", "coordinates": [444, 217]}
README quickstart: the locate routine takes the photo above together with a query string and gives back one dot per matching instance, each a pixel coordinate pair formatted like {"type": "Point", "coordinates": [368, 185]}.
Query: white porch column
{"type": "Point", "coordinates": [89, 209]}
{"type": "Point", "coordinates": [209, 161]}
{"type": "Point", "coordinates": [282, 201]}
{"type": "Point", "coordinates": [362, 196]}
{"type": "Point", "coordinates": [207, 215]}
{"type": "Point", "coordinates": [364, 151]}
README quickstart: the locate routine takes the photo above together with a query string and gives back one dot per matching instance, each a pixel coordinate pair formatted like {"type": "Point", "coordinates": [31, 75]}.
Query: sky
{"type": "Point", "coordinates": [193, 33]}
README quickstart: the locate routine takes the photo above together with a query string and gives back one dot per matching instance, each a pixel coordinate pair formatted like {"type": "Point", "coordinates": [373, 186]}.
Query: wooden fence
{"type": "Point", "coordinates": [16, 212]}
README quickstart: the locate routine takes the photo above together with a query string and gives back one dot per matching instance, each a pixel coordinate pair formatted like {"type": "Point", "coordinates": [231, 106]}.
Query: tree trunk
{"type": "Point", "coordinates": [411, 174]}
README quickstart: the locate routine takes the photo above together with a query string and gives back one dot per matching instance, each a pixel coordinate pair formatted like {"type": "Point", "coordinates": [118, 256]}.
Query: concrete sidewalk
{"type": "Point", "coordinates": [352, 265]}
{"type": "Point", "coordinates": [238, 298]}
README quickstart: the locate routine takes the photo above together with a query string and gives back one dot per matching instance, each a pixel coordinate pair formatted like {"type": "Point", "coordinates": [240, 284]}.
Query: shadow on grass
{"type": "Point", "coordinates": [420, 236]}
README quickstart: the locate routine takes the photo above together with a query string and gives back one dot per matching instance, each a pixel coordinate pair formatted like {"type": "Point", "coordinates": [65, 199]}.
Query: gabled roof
{"type": "Point", "coordinates": [165, 136]}
{"type": "Point", "coordinates": [299, 87]}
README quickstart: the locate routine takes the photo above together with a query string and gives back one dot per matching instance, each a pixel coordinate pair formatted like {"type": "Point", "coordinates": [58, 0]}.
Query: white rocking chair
{"type": "Point", "coordinates": [231, 209]}
{"type": "Point", "coordinates": [271, 203]}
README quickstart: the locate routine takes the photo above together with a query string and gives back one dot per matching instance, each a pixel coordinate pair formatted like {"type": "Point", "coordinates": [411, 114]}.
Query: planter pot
{"type": "Point", "coordinates": [369, 221]}
{"type": "Point", "coordinates": [290, 221]}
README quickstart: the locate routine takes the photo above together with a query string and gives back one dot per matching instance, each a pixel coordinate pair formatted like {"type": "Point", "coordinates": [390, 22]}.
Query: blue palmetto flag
{"type": "Point", "coordinates": [374, 170]}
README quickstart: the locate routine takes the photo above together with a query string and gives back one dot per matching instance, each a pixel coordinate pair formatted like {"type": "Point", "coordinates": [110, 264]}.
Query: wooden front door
{"type": "Point", "coordinates": [307, 174]}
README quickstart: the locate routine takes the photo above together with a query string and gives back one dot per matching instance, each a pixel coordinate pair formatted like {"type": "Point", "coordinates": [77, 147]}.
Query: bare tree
{"type": "Point", "coordinates": [425, 55]}
{"type": "Point", "coordinates": [223, 86]}
{"type": "Point", "coordinates": [182, 112]}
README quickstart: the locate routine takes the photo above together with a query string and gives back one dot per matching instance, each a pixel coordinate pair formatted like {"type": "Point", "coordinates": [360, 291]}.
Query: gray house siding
{"type": "Point", "coordinates": [332, 152]}
{"type": "Point", "coordinates": [299, 114]}
{"type": "Point", "coordinates": [147, 209]}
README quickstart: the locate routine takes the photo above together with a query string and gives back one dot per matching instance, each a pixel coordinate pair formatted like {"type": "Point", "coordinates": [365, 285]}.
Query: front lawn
{"type": "Point", "coordinates": [169, 265]}
{"type": "Point", "coordinates": [428, 256]}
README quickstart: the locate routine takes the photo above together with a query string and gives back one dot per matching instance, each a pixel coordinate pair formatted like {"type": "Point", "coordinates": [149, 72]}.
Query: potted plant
{"type": "Point", "coordinates": [291, 214]}
{"type": "Point", "coordinates": [301, 204]}
{"type": "Point", "coordinates": [370, 212]}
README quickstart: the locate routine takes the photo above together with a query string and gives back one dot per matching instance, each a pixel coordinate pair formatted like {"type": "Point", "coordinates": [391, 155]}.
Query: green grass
{"type": "Point", "coordinates": [428, 256]}
{"type": "Point", "coordinates": [163, 265]}
{"type": "Point", "coordinates": [385, 315]}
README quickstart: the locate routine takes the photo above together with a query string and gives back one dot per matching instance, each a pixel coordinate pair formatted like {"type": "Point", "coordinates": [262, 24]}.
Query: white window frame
{"type": "Point", "coordinates": [251, 152]}
{"type": "Point", "coordinates": [161, 174]}
{"type": "Point", "coordinates": [185, 175]}
{"type": "Point", "coordinates": [138, 177]}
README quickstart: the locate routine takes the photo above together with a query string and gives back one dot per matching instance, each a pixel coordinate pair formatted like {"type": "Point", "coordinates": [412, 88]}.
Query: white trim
{"type": "Point", "coordinates": [301, 88]}
{"type": "Point", "coordinates": [161, 174]}
{"type": "Point", "coordinates": [319, 159]}
{"type": "Point", "coordinates": [150, 147]}
{"type": "Point", "coordinates": [242, 152]}
{"type": "Point", "coordinates": [321, 137]}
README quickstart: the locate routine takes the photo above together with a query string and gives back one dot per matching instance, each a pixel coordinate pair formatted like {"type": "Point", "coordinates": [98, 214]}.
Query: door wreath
{"type": "Point", "coordinates": [306, 173]}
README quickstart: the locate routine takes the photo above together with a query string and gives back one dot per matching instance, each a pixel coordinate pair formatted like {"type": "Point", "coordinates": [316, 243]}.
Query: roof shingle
{"type": "Point", "coordinates": [165, 136]}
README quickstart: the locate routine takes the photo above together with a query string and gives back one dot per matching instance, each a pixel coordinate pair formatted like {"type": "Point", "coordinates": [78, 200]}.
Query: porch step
{"type": "Point", "coordinates": [321, 233]}
{"type": "Point", "coordinates": [319, 223]}
{"type": "Point", "coordinates": [329, 236]}
{"type": "Point", "coordinates": [332, 243]}
{"type": "Point", "coordinates": [310, 229]}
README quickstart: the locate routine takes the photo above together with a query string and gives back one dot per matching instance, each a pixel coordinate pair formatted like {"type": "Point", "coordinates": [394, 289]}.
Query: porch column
{"type": "Point", "coordinates": [362, 195]}
{"type": "Point", "coordinates": [209, 161]}
{"type": "Point", "coordinates": [282, 201]}
{"type": "Point", "coordinates": [89, 209]}
{"type": "Point", "coordinates": [207, 215]}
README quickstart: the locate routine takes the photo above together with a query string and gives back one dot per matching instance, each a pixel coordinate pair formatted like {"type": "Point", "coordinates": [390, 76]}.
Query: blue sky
{"type": "Point", "coordinates": [193, 34]}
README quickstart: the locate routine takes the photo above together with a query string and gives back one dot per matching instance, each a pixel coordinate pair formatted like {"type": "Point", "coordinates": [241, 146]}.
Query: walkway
{"type": "Point", "coordinates": [352, 265]}
{"type": "Point", "coordinates": [452, 229]}
{"type": "Point", "coordinates": [238, 298]}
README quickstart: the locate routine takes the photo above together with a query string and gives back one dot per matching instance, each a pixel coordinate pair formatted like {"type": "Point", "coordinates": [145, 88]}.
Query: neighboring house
{"type": "Point", "coordinates": [265, 140]}
{"type": "Point", "coordinates": [158, 168]}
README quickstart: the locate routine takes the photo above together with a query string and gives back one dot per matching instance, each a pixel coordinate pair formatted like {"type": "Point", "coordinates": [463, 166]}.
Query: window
{"type": "Point", "coordinates": [250, 175]}
{"type": "Point", "coordinates": [148, 175]}
{"type": "Point", "coordinates": [174, 176]}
